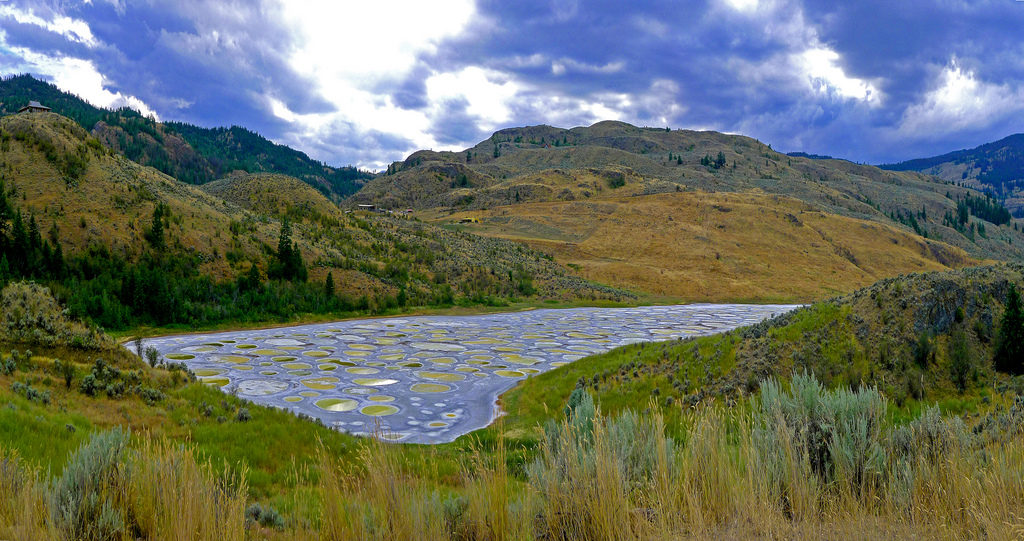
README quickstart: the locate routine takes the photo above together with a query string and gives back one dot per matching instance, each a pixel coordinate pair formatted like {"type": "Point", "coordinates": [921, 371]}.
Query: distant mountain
{"type": "Point", "coordinates": [699, 214]}
{"type": "Point", "coordinates": [189, 153]}
{"type": "Point", "coordinates": [810, 156]}
{"type": "Point", "coordinates": [139, 247]}
{"type": "Point", "coordinates": [997, 168]}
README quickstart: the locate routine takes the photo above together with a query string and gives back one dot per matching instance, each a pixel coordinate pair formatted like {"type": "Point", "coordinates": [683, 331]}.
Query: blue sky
{"type": "Point", "coordinates": [366, 83]}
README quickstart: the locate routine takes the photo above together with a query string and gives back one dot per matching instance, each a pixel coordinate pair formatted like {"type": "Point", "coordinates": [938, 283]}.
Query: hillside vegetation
{"type": "Point", "coordinates": [753, 433]}
{"type": "Point", "coordinates": [188, 153]}
{"type": "Point", "coordinates": [126, 245]}
{"type": "Point", "coordinates": [523, 183]}
{"type": "Point", "coordinates": [996, 167]}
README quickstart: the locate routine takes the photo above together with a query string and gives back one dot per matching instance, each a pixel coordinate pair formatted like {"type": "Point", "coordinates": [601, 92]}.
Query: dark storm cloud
{"type": "Point", "coordinates": [685, 64]}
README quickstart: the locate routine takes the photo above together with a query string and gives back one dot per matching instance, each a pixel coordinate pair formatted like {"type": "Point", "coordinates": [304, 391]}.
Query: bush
{"type": "Point", "coordinates": [32, 315]}
{"type": "Point", "coordinates": [839, 432]}
{"type": "Point", "coordinates": [31, 393]}
{"type": "Point", "coordinates": [243, 415]}
{"type": "Point", "coordinates": [960, 366]}
{"type": "Point", "coordinates": [8, 366]}
{"type": "Point", "coordinates": [264, 516]}
{"type": "Point", "coordinates": [84, 500]}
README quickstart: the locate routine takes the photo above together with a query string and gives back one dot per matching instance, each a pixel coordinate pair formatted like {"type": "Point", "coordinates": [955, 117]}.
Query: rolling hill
{"type": "Point", "coordinates": [996, 167]}
{"type": "Point", "coordinates": [570, 191]}
{"type": "Point", "coordinates": [188, 153]}
{"type": "Point", "coordinates": [101, 209]}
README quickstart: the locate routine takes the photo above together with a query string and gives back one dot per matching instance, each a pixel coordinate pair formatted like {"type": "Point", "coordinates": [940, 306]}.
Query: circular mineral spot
{"type": "Point", "coordinates": [228, 341]}
{"type": "Point", "coordinates": [300, 373]}
{"type": "Point", "coordinates": [309, 394]}
{"type": "Point", "coordinates": [509, 373]}
{"type": "Point", "coordinates": [378, 410]}
{"type": "Point", "coordinates": [478, 362]}
{"type": "Point", "coordinates": [429, 388]}
{"type": "Point", "coordinates": [437, 424]}
{"type": "Point", "coordinates": [374, 382]}
{"type": "Point", "coordinates": [361, 371]}
{"type": "Point", "coordinates": [179, 356]}
{"type": "Point", "coordinates": [321, 384]}
{"type": "Point", "coordinates": [411, 365]}
{"type": "Point", "coordinates": [241, 367]}
{"type": "Point", "coordinates": [438, 346]}
{"type": "Point", "coordinates": [282, 359]}
{"type": "Point", "coordinates": [316, 353]}
{"type": "Point", "coordinates": [382, 398]}
{"type": "Point", "coordinates": [293, 399]}
{"type": "Point", "coordinates": [361, 390]}
{"type": "Point", "coordinates": [297, 366]}
{"type": "Point", "coordinates": [559, 363]}
{"type": "Point", "coordinates": [375, 363]}
{"type": "Point", "coordinates": [229, 358]}
{"type": "Point", "coordinates": [246, 346]}
{"type": "Point", "coordinates": [441, 376]}
{"type": "Point", "coordinates": [365, 347]}
{"type": "Point", "coordinates": [443, 360]}
{"type": "Point", "coordinates": [392, 357]}
{"type": "Point", "coordinates": [261, 387]}
{"type": "Point", "coordinates": [469, 369]}
{"type": "Point", "coordinates": [265, 363]}
{"type": "Point", "coordinates": [337, 404]}
{"type": "Point", "coordinates": [328, 367]}
{"type": "Point", "coordinates": [215, 381]}
{"type": "Point", "coordinates": [207, 372]}
{"type": "Point", "coordinates": [200, 349]}
{"type": "Point", "coordinates": [268, 372]}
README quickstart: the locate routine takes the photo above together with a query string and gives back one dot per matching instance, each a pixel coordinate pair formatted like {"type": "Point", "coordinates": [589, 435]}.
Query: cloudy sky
{"type": "Point", "coordinates": [367, 82]}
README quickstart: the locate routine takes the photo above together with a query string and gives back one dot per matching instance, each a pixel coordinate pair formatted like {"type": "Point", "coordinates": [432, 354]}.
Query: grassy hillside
{"type": "Point", "coordinates": [65, 189]}
{"type": "Point", "coordinates": [703, 246]}
{"type": "Point", "coordinates": [996, 167]}
{"type": "Point", "coordinates": [717, 452]}
{"type": "Point", "coordinates": [919, 339]}
{"type": "Point", "coordinates": [188, 153]}
{"type": "Point", "coordinates": [523, 183]}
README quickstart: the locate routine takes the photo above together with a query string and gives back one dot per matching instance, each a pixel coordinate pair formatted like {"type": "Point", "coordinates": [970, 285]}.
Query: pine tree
{"type": "Point", "coordinates": [1009, 355]}
{"type": "Point", "coordinates": [329, 285]}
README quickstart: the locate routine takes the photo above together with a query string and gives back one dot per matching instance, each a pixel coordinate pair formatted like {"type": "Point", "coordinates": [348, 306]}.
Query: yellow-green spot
{"type": "Point", "coordinates": [321, 384]}
{"type": "Point", "coordinates": [316, 353]}
{"type": "Point", "coordinates": [293, 399]}
{"type": "Point", "coordinates": [361, 371]}
{"type": "Point", "coordinates": [429, 388]}
{"type": "Point", "coordinates": [382, 398]}
{"type": "Point", "coordinates": [441, 376]}
{"type": "Point", "coordinates": [297, 366]}
{"type": "Point", "coordinates": [377, 410]}
{"type": "Point", "coordinates": [337, 404]}
{"type": "Point", "coordinates": [179, 356]}
{"type": "Point", "coordinates": [509, 373]}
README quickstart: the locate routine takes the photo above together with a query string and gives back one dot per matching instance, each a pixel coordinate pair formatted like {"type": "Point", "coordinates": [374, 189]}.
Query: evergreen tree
{"type": "Point", "coordinates": [155, 235]}
{"type": "Point", "coordinates": [329, 285]}
{"type": "Point", "coordinates": [1009, 355]}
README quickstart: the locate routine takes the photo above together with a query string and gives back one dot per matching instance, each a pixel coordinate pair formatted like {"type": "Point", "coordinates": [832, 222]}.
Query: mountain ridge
{"type": "Point", "coordinates": [192, 154]}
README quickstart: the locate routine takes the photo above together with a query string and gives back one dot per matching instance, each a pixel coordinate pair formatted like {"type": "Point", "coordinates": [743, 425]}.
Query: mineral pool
{"type": "Point", "coordinates": [427, 379]}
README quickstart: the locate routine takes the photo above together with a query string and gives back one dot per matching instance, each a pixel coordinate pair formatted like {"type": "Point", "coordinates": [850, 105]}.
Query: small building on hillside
{"type": "Point", "coordinates": [368, 208]}
{"type": "Point", "coordinates": [34, 107]}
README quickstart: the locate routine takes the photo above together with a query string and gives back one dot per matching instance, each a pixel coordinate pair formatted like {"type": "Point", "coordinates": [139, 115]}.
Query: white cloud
{"type": "Point", "coordinates": [71, 29]}
{"type": "Point", "coordinates": [820, 65]}
{"type": "Point", "coordinates": [73, 75]}
{"type": "Point", "coordinates": [958, 101]}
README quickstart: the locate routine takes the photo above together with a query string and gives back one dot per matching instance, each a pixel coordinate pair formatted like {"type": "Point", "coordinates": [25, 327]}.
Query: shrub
{"type": "Point", "coordinates": [264, 516]}
{"type": "Point", "coordinates": [960, 366]}
{"type": "Point", "coordinates": [152, 356]}
{"type": "Point", "coordinates": [839, 432]}
{"type": "Point", "coordinates": [243, 415]}
{"type": "Point", "coordinates": [65, 370]}
{"type": "Point", "coordinates": [85, 500]}
{"type": "Point", "coordinates": [8, 366]}
{"type": "Point", "coordinates": [31, 393]}
{"type": "Point", "coordinates": [32, 315]}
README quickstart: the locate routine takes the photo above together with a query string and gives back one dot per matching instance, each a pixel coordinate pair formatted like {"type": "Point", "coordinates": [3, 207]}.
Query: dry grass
{"type": "Point", "coordinates": [155, 491]}
{"type": "Point", "coordinates": [701, 246]}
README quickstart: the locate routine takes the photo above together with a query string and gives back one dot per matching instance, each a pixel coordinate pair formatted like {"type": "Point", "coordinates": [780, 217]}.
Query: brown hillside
{"type": "Point", "coordinates": [704, 246]}
{"type": "Point", "coordinates": [67, 180]}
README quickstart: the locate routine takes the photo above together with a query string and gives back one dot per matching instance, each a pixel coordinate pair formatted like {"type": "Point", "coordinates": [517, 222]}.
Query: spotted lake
{"type": "Point", "coordinates": [426, 379]}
